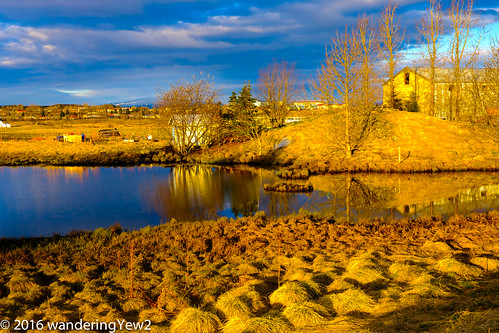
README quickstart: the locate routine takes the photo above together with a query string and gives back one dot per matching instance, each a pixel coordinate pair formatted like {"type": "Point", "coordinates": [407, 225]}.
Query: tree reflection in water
{"type": "Point", "coordinates": [205, 192]}
{"type": "Point", "coordinates": [202, 192]}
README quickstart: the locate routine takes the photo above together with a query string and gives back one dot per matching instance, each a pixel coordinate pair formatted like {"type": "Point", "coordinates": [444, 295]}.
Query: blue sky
{"type": "Point", "coordinates": [102, 51]}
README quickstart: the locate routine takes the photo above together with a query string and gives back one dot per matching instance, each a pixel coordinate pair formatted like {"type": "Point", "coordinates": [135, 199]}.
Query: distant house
{"type": "Point", "coordinates": [310, 105]}
{"type": "Point", "coordinates": [412, 87]}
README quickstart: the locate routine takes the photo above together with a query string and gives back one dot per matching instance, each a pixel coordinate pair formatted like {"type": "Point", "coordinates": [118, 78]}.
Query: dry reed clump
{"type": "Point", "coordinates": [59, 291]}
{"type": "Point", "coordinates": [194, 320]}
{"type": "Point", "coordinates": [289, 293]}
{"type": "Point", "coordinates": [170, 300]}
{"type": "Point", "coordinates": [134, 304]}
{"type": "Point", "coordinates": [339, 285]}
{"type": "Point", "coordinates": [473, 322]}
{"type": "Point", "coordinates": [247, 269]}
{"type": "Point", "coordinates": [299, 274]}
{"type": "Point", "coordinates": [424, 286]}
{"type": "Point", "coordinates": [363, 270]}
{"type": "Point", "coordinates": [351, 300]}
{"type": "Point", "coordinates": [452, 265]}
{"type": "Point", "coordinates": [306, 314]}
{"type": "Point", "coordinates": [156, 316]}
{"type": "Point", "coordinates": [269, 324]}
{"type": "Point", "coordinates": [251, 293]}
{"type": "Point", "coordinates": [487, 264]}
{"type": "Point", "coordinates": [232, 306]}
{"type": "Point", "coordinates": [404, 272]}
{"type": "Point", "coordinates": [90, 297]}
{"type": "Point", "coordinates": [19, 282]}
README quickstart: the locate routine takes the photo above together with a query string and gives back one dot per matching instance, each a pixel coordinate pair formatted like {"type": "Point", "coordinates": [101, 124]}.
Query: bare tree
{"type": "Point", "coordinates": [431, 28]}
{"type": "Point", "coordinates": [277, 88]}
{"type": "Point", "coordinates": [492, 75]}
{"type": "Point", "coordinates": [369, 78]}
{"type": "Point", "coordinates": [348, 78]}
{"type": "Point", "coordinates": [391, 39]}
{"type": "Point", "coordinates": [339, 74]}
{"type": "Point", "coordinates": [464, 49]}
{"type": "Point", "coordinates": [191, 111]}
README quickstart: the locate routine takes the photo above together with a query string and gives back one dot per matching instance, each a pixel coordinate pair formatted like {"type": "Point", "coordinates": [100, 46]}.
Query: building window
{"type": "Point", "coordinates": [407, 76]}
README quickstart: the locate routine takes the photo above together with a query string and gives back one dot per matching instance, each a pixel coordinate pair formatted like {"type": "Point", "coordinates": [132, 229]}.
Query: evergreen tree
{"type": "Point", "coordinates": [241, 116]}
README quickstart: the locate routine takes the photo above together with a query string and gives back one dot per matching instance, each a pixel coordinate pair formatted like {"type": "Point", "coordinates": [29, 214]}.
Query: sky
{"type": "Point", "coordinates": [110, 51]}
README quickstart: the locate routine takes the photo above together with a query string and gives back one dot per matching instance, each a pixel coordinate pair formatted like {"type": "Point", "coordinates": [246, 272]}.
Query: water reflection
{"type": "Point", "coordinates": [407, 196]}
{"type": "Point", "coordinates": [201, 192]}
{"type": "Point", "coordinates": [45, 200]}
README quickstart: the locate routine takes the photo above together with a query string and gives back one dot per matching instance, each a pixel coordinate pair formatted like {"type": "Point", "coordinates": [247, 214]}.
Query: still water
{"type": "Point", "coordinates": [37, 201]}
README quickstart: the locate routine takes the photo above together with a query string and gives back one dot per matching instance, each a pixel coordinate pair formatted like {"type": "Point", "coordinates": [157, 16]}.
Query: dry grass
{"type": "Point", "coordinates": [85, 276]}
{"type": "Point", "coordinates": [474, 322]}
{"type": "Point", "coordinates": [195, 321]}
{"type": "Point", "coordinates": [271, 324]}
{"type": "Point", "coordinates": [289, 293]}
{"type": "Point", "coordinates": [351, 300]}
{"type": "Point", "coordinates": [452, 265]}
{"type": "Point", "coordinates": [306, 314]}
{"type": "Point", "coordinates": [232, 306]}
{"type": "Point", "coordinates": [426, 143]}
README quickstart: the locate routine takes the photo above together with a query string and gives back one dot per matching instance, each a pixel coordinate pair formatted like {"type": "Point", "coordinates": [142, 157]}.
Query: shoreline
{"type": "Point", "coordinates": [49, 153]}
{"type": "Point", "coordinates": [405, 275]}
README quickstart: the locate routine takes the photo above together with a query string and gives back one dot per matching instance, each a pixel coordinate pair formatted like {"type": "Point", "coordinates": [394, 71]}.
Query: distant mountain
{"type": "Point", "coordinates": [146, 101]}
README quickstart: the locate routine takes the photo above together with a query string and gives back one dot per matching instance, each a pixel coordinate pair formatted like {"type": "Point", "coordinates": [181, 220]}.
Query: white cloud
{"type": "Point", "coordinates": [78, 92]}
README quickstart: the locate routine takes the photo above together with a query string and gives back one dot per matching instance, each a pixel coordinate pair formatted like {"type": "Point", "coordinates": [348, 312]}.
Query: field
{"type": "Point", "coordinates": [299, 273]}
{"type": "Point", "coordinates": [35, 143]}
{"type": "Point", "coordinates": [409, 142]}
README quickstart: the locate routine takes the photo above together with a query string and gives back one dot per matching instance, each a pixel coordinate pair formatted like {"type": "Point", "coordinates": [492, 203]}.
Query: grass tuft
{"type": "Point", "coordinates": [289, 293]}
{"type": "Point", "coordinates": [306, 314]}
{"type": "Point", "coordinates": [194, 320]}
{"type": "Point", "coordinates": [339, 285]}
{"type": "Point", "coordinates": [471, 322]}
{"type": "Point", "coordinates": [257, 325]}
{"type": "Point", "coordinates": [232, 306]}
{"type": "Point", "coordinates": [452, 265]}
{"type": "Point", "coordinates": [352, 300]}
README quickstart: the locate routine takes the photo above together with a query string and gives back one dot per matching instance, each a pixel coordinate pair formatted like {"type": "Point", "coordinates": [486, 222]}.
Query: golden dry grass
{"type": "Point", "coordinates": [76, 279]}
{"type": "Point", "coordinates": [195, 321]}
{"type": "Point", "coordinates": [351, 300]}
{"type": "Point", "coordinates": [271, 324]}
{"type": "Point", "coordinates": [306, 314]}
{"type": "Point", "coordinates": [232, 306]}
{"type": "Point", "coordinates": [426, 143]}
{"type": "Point", "coordinates": [289, 293]}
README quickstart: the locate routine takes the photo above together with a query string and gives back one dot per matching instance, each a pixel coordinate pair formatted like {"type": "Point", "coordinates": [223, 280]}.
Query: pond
{"type": "Point", "coordinates": [41, 201]}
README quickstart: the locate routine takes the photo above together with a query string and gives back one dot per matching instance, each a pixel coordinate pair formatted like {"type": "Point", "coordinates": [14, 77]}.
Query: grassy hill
{"type": "Point", "coordinates": [425, 144]}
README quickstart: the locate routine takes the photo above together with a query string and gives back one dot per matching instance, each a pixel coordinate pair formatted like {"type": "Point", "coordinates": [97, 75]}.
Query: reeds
{"type": "Point", "coordinates": [194, 320]}
{"type": "Point", "coordinates": [306, 314]}
{"type": "Point", "coordinates": [289, 293]}
{"type": "Point", "coordinates": [271, 324]}
{"type": "Point", "coordinates": [452, 265]}
{"type": "Point", "coordinates": [232, 306]}
{"type": "Point", "coordinates": [351, 300]}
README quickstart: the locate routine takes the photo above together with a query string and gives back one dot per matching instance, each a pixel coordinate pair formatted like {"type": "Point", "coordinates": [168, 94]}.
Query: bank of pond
{"type": "Point", "coordinates": [295, 273]}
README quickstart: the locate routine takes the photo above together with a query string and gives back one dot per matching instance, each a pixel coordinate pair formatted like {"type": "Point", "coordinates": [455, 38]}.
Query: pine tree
{"type": "Point", "coordinates": [241, 116]}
